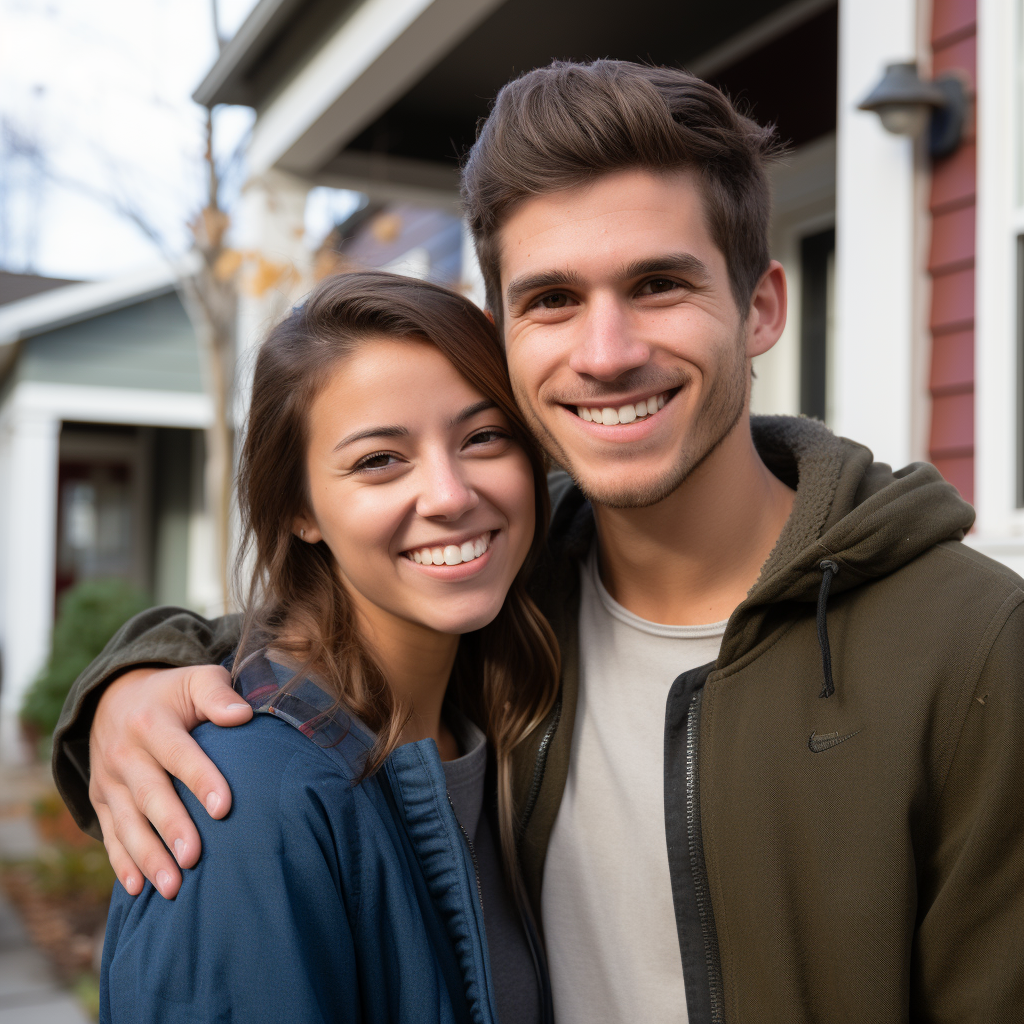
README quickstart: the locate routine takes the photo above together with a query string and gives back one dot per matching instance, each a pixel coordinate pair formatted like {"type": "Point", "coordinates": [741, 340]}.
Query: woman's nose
{"type": "Point", "coordinates": [445, 493]}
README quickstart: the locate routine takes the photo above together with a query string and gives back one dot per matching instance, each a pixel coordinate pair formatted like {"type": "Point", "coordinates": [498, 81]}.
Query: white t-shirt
{"type": "Point", "coordinates": [609, 921]}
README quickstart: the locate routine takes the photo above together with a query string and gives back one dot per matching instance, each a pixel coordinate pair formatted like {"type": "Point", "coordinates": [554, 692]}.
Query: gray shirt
{"type": "Point", "coordinates": [515, 979]}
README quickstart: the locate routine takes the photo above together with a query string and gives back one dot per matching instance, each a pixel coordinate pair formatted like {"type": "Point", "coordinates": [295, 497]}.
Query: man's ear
{"type": "Point", "coordinates": [306, 529]}
{"type": "Point", "coordinates": [766, 318]}
{"type": "Point", "coordinates": [489, 315]}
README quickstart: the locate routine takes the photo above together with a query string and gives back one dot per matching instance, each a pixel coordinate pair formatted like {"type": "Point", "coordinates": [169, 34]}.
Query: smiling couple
{"type": "Point", "coordinates": [739, 739]}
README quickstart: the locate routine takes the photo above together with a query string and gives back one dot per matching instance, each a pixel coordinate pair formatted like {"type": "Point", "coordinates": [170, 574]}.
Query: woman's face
{"type": "Point", "coordinates": [410, 466]}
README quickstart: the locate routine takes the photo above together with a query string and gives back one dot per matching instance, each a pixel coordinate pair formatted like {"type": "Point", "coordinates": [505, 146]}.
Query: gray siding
{"type": "Point", "coordinates": [148, 345]}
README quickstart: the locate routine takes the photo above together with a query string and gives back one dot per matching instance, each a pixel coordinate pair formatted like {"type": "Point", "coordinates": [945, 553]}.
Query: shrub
{"type": "Point", "coordinates": [90, 613]}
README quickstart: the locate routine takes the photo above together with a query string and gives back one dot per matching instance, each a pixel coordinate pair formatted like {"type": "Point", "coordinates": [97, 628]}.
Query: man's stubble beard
{"type": "Point", "coordinates": [719, 412]}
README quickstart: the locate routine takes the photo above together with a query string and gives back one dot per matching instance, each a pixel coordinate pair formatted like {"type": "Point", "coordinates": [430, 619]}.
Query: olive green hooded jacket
{"type": "Point", "coordinates": [843, 787]}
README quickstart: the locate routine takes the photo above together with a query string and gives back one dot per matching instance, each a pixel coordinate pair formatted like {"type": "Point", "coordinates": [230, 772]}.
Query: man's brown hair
{"type": "Point", "coordinates": [565, 125]}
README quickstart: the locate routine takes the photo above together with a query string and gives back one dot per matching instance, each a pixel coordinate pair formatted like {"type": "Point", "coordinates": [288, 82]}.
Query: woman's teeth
{"type": "Point", "coordinates": [452, 554]}
{"type": "Point", "coordinates": [610, 416]}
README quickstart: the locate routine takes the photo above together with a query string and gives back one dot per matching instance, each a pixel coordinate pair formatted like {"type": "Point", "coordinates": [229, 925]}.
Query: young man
{"type": "Point", "coordinates": [781, 781]}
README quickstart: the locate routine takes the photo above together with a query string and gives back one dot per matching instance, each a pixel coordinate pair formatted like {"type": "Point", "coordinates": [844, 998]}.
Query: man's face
{"type": "Point", "coordinates": [626, 349]}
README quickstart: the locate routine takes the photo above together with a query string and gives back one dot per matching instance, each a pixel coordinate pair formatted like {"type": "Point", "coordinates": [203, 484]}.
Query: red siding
{"type": "Point", "coordinates": [951, 264]}
{"type": "Point", "coordinates": [952, 363]}
{"type": "Point", "coordinates": [952, 20]}
{"type": "Point", "coordinates": [952, 245]}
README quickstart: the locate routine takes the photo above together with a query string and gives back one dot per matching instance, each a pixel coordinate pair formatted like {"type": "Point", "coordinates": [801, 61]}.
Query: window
{"type": "Point", "coordinates": [817, 255]}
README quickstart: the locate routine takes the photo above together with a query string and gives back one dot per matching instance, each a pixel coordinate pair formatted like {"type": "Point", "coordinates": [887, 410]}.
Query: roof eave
{"type": "Point", "coordinates": [224, 81]}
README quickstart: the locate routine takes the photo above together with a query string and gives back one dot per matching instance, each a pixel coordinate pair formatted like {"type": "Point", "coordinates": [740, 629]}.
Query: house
{"type": "Point", "coordinates": [102, 412]}
{"type": "Point", "coordinates": [904, 270]}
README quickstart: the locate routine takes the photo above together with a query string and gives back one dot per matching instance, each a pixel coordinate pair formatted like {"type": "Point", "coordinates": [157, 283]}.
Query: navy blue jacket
{"type": "Point", "coordinates": [314, 899]}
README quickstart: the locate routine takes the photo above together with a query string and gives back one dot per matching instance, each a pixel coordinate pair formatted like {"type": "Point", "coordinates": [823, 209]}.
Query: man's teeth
{"type": "Point", "coordinates": [610, 416]}
{"type": "Point", "coordinates": [452, 554]}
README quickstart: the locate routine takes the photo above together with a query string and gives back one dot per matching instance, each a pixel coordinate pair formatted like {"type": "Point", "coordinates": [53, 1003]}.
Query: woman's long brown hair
{"type": "Point", "coordinates": [506, 674]}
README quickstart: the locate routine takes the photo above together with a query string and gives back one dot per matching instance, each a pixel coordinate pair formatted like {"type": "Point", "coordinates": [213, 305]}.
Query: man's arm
{"type": "Point", "coordinates": [966, 962]}
{"type": "Point", "coordinates": [126, 722]}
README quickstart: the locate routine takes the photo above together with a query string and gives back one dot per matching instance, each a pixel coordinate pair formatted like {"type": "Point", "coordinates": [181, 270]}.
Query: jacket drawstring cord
{"type": "Point", "coordinates": [828, 570]}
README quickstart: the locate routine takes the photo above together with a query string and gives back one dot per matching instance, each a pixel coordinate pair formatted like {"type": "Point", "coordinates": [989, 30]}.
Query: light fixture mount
{"type": "Point", "coordinates": [907, 105]}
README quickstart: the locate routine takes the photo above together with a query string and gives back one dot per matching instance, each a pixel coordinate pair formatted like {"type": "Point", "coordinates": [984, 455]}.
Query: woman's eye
{"type": "Point", "coordinates": [488, 436]}
{"type": "Point", "coordinates": [379, 460]}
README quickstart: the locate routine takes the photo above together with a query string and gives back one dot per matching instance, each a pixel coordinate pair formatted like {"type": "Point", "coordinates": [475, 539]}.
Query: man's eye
{"type": "Point", "coordinates": [379, 460]}
{"type": "Point", "coordinates": [554, 300]}
{"type": "Point", "coordinates": [657, 285]}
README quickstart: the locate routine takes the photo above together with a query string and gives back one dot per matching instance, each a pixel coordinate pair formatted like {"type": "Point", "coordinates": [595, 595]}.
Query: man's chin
{"type": "Point", "coordinates": [638, 490]}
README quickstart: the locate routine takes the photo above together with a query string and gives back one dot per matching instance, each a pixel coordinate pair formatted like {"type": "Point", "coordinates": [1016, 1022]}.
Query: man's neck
{"type": "Point", "coordinates": [692, 558]}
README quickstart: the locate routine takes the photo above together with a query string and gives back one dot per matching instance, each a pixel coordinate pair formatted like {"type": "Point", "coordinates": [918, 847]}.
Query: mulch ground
{"type": "Point", "coordinates": [63, 894]}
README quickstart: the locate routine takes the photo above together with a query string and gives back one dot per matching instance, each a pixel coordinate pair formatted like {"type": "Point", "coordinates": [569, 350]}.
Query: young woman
{"type": "Point", "coordinates": [392, 502]}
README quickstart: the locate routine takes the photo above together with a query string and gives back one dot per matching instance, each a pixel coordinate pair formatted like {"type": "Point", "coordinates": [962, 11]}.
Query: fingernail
{"type": "Point", "coordinates": [129, 885]}
{"type": "Point", "coordinates": [212, 803]}
{"type": "Point", "coordinates": [163, 880]}
{"type": "Point", "coordinates": [179, 850]}
{"type": "Point", "coordinates": [235, 707]}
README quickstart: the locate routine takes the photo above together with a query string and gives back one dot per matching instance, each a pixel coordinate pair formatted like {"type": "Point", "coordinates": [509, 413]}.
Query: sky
{"type": "Point", "coordinates": [95, 112]}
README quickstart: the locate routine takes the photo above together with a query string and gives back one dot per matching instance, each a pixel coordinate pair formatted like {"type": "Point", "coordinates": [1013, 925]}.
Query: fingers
{"type": "Point", "coordinates": [140, 729]}
{"type": "Point", "coordinates": [134, 849]}
{"type": "Point", "coordinates": [213, 699]}
{"type": "Point", "coordinates": [127, 871]}
{"type": "Point", "coordinates": [178, 753]}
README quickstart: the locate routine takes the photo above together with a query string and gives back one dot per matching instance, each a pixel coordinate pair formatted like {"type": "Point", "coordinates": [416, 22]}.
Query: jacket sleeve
{"type": "Point", "coordinates": [967, 964]}
{"type": "Point", "coordinates": [162, 637]}
{"type": "Point", "coordinates": [261, 929]}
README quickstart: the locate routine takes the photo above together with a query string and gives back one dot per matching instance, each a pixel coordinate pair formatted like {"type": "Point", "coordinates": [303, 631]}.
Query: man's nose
{"type": "Point", "coordinates": [445, 492]}
{"type": "Point", "coordinates": [609, 344]}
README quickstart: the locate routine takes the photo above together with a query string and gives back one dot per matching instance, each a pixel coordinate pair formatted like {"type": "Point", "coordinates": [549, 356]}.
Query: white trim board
{"type": "Point", "coordinates": [129, 406]}
{"type": "Point", "coordinates": [75, 302]}
{"type": "Point", "coordinates": [380, 50]}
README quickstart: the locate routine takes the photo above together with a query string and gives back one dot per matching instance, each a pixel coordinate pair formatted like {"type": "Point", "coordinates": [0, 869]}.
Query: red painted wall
{"type": "Point", "coordinates": [951, 262]}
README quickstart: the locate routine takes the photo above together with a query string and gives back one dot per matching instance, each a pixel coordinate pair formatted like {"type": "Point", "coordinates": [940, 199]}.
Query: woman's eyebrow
{"type": "Point", "coordinates": [362, 435]}
{"type": "Point", "coordinates": [396, 431]}
{"type": "Point", "coordinates": [470, 411]}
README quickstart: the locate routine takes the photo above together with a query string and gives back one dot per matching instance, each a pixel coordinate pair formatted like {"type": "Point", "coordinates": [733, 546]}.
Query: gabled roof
{"type": "Point", "coordinates": [14, 287]}
{"type": "Point", "coordinates": [75, 302]}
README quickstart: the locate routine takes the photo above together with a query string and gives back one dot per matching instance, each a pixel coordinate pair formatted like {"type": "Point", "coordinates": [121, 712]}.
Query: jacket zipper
{"type": "Point", "coordinates": [472, 854]}
{"type": "Point", "coordinates": [538, 767]}
{"type": "Point", "coordinates": [479, 895]}
{"type": "Point", "coordinates": [697, 866]}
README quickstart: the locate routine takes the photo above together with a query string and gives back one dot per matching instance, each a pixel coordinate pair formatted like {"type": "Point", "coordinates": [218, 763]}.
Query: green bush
{"type": "Point", "coordinates": [89, 615]}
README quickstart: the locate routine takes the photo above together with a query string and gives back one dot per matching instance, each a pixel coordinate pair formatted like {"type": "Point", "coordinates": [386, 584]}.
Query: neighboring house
{"type": "Point", "coordinates": [904, 274]}
{"type": "Point", "coordinates": [102, 411]}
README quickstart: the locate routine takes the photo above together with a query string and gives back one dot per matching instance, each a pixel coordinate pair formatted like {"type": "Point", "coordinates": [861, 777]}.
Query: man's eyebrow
{"type": "Point", "coordinates": [677, 263]}
{"type": "Point", "coordinates": [362, 435]}
{"type": "Point", "coordinates": [470, 411]}
{"type": "Point", "coordinates": [546, 279]}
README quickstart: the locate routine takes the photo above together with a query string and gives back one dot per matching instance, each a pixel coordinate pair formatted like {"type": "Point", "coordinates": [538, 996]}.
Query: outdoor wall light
{"type": "Point", "coordinates": [909, 106]}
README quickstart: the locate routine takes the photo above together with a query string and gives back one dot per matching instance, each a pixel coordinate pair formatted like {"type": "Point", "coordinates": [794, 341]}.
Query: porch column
{"type": "Point", "coordinates": [878, 287]}
{"type": "Point", "coordinates": [270, 230]}
{"type": "Point", "coordinates": [29, 539]}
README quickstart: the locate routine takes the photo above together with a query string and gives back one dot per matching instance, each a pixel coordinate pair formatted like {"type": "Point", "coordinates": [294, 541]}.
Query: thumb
{"type": "Point", "coordinates": [214, 699]}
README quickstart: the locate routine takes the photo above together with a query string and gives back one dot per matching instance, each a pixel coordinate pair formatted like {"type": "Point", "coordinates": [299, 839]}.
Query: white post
{"type": "Point", "coordinates": [874, 381]}
{"type": "Point", "coordinates": [270, 230]}
{"type": "Point", "coordinates": [29, 562]}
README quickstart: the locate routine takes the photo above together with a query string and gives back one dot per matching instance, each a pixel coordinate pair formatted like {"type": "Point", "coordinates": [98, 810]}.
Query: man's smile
{"type": "Point", "coordinates": [611, 413]}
